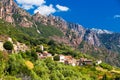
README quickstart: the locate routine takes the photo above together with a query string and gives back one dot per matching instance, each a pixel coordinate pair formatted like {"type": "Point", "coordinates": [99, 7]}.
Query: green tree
{"type": "Point", "coordinates": [56, 58]}
{"type": "Point", "coordinates": [34, 55]}
{"type": "Point", "coordinates": [105, 77]}
{"type": "Point", "coordinates": [8, 45]}
{"type": "Point", "coordinates": [106, 66]}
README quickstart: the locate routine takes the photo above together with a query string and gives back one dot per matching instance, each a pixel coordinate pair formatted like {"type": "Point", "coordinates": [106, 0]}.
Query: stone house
{"type": "Point", "coordinates": [69, 60]}
{"type": "Point", "coordinates": [20, 47]}
{"type": "Point", "coordinates": [44, 55]}
{"type": "Point", "coordinates": [85, 61]}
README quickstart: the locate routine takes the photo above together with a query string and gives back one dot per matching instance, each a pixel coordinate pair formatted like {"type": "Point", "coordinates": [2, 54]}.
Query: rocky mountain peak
{"type": "Point", "coordinates": [7, 8]}
{"type": "Point", "coordinates": [76, 27]}
{"type": "Point", "coordinates": [58, 22]}
{"type": "Point", "coordinates": [51, 20]}
{"type": "Point", "coordinates": [10, 12]}
{"type": "Point", "coordinates": [91, 38]}
{"type": "Point", "coordinates": [37, 14]}
{"type": "Point", "coordinates": [100, 31]}
{"type": "Point", "coordinates": [37, 17]}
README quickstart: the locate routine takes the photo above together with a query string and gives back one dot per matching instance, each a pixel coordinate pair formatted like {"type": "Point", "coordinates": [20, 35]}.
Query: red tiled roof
{"type": "Point", "coordinates": [68, 57]}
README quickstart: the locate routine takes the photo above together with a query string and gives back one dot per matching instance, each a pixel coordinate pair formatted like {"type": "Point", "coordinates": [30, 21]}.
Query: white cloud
{"type": "Point", "coordinates": [28, 4]}
{"type": "Point", "coordinates": [62, 8]}
{"type": "Point", "coordinates": [27, 7]}
{"type": "Point", "coordinates": [45, 10]}
{"type": "Point", "coordinates": [116, 16]}
{"type": "Point", "coordinates": [40, 6]}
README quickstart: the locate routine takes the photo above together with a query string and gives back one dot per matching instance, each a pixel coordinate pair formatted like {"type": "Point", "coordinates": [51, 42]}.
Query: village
{"type": "Point", "coordinates": [66, 59]}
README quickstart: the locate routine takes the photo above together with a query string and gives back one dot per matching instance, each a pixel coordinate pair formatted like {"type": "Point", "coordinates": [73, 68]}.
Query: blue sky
{"type": "Point", "coordinates": [103, 14]}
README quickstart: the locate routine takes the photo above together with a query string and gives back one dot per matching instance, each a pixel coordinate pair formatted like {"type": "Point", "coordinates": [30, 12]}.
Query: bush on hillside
{"type": "Point", "coordinates": [8, 45]}
{"type": "Point", "coordinates": [106, 66]}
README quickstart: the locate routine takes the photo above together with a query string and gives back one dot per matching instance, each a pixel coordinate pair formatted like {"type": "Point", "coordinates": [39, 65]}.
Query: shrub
{"type": "Point", "coordinates": [29, 64]}
{"type": "Point", "coordinates": [56, 58]}
{"type": "Point", "coordinates": [8, 45]}
{"type": "Point", "coordinates": [106, 66]}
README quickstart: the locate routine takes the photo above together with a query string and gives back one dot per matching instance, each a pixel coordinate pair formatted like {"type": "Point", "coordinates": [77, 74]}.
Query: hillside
{"type": "Point", "coordinates": [25, 66]}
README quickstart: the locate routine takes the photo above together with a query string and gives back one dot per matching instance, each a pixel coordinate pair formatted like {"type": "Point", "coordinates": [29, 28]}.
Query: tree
{"type": "Point", "coordinates": [52, 42]}
{"type": "Point", "coordinates": [56, 58]}
{"type": "Point", "coordinates": [34, 55]}
{"type": "Point", "coordinates": [106, 66]}
{"type": "Point", "coordinates": [105, 77]}
{"type": "Point", "coordinates": [8, 45]}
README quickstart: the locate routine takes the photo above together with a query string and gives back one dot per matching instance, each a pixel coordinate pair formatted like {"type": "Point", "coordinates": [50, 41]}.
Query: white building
{"type": "Point", "coordinates": [98, 62]}
{"type": "Point", "coordinates": [41, 47]}
{"type": "Point", "coordinates": [62, 58]}
{"type": "Point", "coordinates": [1, 46]}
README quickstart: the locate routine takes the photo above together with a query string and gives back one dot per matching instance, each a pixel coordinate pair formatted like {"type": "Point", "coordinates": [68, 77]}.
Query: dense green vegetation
{"type": "Point", "coordinates": [26, 65]}
{"type": "Point", "coordinates": [47, 31]}
{"type": "Point", "coordinates": [14, 66]}
{"type": "Point", "coordinates": [106, 66]}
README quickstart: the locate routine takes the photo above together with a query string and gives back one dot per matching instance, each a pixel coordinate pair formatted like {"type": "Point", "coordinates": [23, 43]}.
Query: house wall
{"type": "Point", "coordinates": [1, 46]}
{"type": "Point", "coordinates": [62, 58]}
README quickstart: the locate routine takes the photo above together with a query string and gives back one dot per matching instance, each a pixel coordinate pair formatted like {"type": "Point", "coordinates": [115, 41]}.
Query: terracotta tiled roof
{"type": "Point", "coordinates": [68, 57]}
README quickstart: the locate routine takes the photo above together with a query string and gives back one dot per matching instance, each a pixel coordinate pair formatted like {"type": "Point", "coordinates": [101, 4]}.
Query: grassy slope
{"type": "Point", "coordinates": [26, 35]}
{"type": "Point", "coordinates": [47, 31]}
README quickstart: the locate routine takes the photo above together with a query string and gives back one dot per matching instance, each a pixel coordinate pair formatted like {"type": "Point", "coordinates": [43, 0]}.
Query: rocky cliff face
{"type": "Point", "coordinates": [74, 33]}
{"type": "Point", "coordinates": [7, 8]}
{"type": "Point", "coordinates": [92, 38]}
{"type": "Point", "coordinates": [9, 11]}
{"type": "Point", "coordinates": [51, 20]}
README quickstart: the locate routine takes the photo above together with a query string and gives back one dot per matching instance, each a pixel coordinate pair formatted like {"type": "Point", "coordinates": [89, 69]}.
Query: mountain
{"type": "Point", "coordinates": [10, 12]}
{"type": "Point", "coordinates": [99, 43]}
{"type": "Point", "coordinates": [100, 31]}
